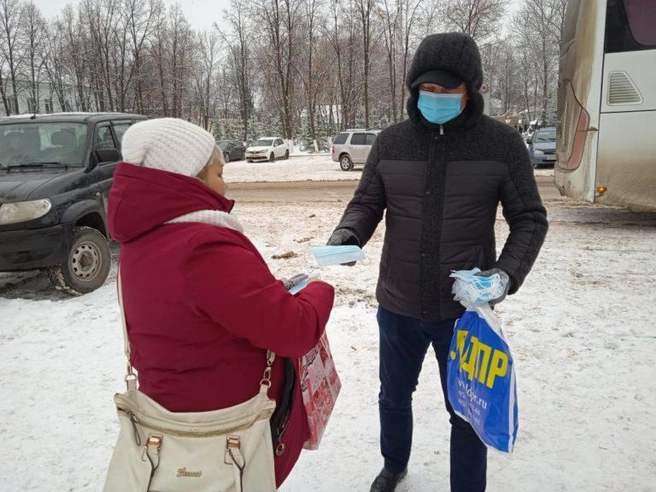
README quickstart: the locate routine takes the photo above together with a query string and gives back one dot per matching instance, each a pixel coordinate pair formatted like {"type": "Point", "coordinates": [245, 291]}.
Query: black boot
{"type": "Point", "coordinates": [387, 481]}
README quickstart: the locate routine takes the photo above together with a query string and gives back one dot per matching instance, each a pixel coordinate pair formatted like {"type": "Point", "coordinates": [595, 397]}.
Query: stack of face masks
{"type": "Point", "coordinates": [297, 283]}
{"type": "Point", "coordinates": [471, 289]}
{"type": "Point", "coordinates": [337, 255]}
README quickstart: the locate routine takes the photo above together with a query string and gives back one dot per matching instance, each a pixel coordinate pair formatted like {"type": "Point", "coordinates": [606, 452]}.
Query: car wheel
{"type": "Point", "coordinates": [226, 157]}
{"type": "Point", "coordinates": [286, 154]}
{"type": "Point", "coordinates": [87, 265]}
{"type": "Point", "coordinates": [272, 157]}
{"type": "Point", "coordinates": [345, 163]}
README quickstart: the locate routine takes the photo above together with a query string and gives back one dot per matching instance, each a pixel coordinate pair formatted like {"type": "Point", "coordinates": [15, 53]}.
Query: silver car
{"type": "Point", "coordinates": [352, 147]}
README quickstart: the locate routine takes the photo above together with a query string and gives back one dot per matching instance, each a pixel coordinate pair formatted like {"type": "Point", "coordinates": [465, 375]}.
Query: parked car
{"type": "Point", "coordinates": [352, 147]}
{"type": "Point", "coordinates": [232, 150]}
{"type": "Point", "coordinates": [543, 147]}
{"type": "Point", "coordinates": [267, 149]}
{"type": "Point", "coordinates": [55, 175]}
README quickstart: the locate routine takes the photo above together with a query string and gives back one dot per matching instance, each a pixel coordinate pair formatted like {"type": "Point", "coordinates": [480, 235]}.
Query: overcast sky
{"type": "Point", "coordinates": [200, 13]}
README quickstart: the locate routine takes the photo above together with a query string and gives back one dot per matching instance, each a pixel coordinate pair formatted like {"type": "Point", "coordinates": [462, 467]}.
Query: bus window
{"type": "Point", "coordinates": [629, 25]}
{"type": "Point", "coordinates": [642, 17]}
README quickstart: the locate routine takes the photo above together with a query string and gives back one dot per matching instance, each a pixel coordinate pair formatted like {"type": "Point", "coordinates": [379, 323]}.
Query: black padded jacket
{"type": "Point", "coordinates": [440, 187]}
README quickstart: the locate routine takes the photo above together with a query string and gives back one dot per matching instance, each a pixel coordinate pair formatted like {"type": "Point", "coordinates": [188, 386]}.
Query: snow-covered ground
{"type": "Point", "coordinates": [319, 167]}
{"type": "Point", "coordinates": [581, 330]}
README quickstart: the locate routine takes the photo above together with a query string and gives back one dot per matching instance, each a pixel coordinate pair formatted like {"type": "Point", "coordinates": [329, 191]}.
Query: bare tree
{"type": "Point", "coordinates": [11, 21]}
{"type": "Point", "coordinates": [280, 18]}
{"type": "Point", "coordinates": [364, 9]}
{"type": "Point", "coordinates": [507, 77]}
{"type": "Point", "coordinates": [343, 81]}
{"type": "Point", "coordinates": [208, 44]}
{"type": "Point", "coordinates": [141, 16]}
{"type": "Point", "coordinates": [431, 19]}
{"type": "Point", "coordinates": [159, 51]}
{"type": "Point", "coordinates": [538, 29]}
{"type": "Point", "coordinates": [32, 33]}
{"type": "Point", "coordinates": [3, 84]}
{"type": "Point", "coordinates": [478, 18]}
{"type": "Point", "coordinates": [390, 19]}
{"type": "Point", "coordinates": [398, 25]}
{"type": "Point", "coordinates": [239, 59]}
{"type": "Point", "coordinates": [409, 19]}
{"type": "Point", "coordinates": [310, 77]}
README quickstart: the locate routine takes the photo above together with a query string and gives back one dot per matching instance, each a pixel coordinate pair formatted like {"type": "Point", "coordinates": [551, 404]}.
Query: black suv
{"type": "Point", "coordinates": [55, 174]}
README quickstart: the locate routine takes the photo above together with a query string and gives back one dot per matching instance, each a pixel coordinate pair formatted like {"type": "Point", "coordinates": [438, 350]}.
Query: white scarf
{"type": "Point", "coordinates": [212, 217]}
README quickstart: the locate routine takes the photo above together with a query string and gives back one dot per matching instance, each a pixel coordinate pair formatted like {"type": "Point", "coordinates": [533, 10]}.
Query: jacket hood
{"type": "Point", "coordinates": [457, 53]}
{"type": "Point", "coordinates": [142, 199]}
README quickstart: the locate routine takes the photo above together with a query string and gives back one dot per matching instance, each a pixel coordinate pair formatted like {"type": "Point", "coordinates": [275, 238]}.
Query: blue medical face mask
{"type": "Point", "coordinates": [439, 108]}
{"type": "Point", "coordinates": [470, 288]}
{"type": "Point", "coordinates": [337, 255]}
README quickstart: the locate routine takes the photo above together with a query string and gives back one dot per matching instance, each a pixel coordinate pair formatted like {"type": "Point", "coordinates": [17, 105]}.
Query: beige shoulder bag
{"type": "Point", "coordinates": [228, 450]}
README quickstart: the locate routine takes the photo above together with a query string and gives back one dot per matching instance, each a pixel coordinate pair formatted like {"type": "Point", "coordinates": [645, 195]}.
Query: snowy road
{"type": "Point", "coordinates": [581, 329]}
{"type": "Point", "coordinates": [328, 191]}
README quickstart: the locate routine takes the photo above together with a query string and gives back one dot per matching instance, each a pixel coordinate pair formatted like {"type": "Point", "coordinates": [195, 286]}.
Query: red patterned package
{"type": "Point", "coordinates": [320, 386]}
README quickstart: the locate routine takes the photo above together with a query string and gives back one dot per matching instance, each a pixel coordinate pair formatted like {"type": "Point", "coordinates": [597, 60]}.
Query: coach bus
{"type": "Point", "coordinates": [607, 103]}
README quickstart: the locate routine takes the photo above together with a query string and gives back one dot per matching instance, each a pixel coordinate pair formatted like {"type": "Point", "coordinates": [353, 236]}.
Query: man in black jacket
{"type": "Point", "coordinates": [440, 176]}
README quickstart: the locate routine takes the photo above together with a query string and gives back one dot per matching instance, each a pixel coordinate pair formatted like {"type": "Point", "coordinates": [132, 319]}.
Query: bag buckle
{"type": "Point", "coordinates": [151, 450]}
{"type": "Point", "coordinates": [266, 378]}
{"type": "Point", "coordinates": [154, 441]}
{"type": "Point", "coordinates": [280, 449]}
{"type": "Point", "coordinates": [233, 450]}
{"type": "Point", "coordinates": [233, 442]}
{"type": "Point", "coordinates": [130, 378]}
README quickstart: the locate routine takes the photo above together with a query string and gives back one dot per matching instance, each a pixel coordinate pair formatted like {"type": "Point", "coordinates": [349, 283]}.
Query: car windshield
{"type": "Point", "coordinates": [29, 144]}
{"type": "Point", "coordinates": [263, 142]}
{"type": "Point", "coordinates": [545, 136]}
{"type": "Point", "coordinates": [223, 143]}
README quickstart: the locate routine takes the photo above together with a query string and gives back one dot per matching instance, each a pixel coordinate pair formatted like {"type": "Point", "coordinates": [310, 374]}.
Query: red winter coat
{"type": "Point", "coordinates": [202, 306]}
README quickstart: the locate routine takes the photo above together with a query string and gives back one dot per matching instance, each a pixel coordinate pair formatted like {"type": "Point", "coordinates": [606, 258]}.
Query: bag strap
{"type": "Point", "coordinates": [131, 378]}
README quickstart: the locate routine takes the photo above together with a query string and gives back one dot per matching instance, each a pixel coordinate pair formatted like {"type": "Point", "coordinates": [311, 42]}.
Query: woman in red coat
{"type": "Point", "coordinates": [201, 304]}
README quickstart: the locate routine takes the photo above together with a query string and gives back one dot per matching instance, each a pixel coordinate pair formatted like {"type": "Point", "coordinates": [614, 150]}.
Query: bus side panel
{"type": "Point", "coordinates": [626, 160]}
{"type": "Point", "coordinates": [629, 82]}
{"type": "Point", "coordinates": [626, 163]}
{"type": "Point", "coordinates": [579, 86]}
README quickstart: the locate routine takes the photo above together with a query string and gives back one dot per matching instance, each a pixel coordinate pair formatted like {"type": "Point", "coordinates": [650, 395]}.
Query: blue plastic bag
{"type": "Point", "coordinates": [481, 378]}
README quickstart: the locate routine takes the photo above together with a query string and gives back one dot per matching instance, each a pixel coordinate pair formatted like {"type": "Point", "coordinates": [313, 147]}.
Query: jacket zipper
{"type": "Point", "coordinates": [441, 130]}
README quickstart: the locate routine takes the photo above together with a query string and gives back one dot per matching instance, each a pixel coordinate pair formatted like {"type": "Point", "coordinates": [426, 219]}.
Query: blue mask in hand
{"type": "Point", "coordinates": [471, 289]}
{"type": "Point", "coordinates": [439, 108]}
{"type": "Point", "coordinates": [337, 255]}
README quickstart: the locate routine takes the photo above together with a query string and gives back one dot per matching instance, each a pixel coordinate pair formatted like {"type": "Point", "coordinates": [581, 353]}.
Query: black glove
{"type": "Point", "coordinates": [505, 281]}
{"type": "Point", "coordinates": [343, 237]}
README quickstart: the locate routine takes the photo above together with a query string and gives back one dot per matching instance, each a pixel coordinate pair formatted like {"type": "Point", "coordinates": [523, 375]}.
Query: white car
{"type": "Point", "coordinates": [267, 149]}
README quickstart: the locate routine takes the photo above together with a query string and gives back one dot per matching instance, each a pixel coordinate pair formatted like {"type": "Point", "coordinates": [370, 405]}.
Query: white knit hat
{"type": "Point", "coordinates": [168, 144]}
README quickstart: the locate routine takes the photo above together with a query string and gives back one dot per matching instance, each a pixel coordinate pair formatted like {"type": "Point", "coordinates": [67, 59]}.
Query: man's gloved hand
{"type": "Point", "coordinates": [341, 237]}
{"type": "Point", "coordinates": [505, 281]}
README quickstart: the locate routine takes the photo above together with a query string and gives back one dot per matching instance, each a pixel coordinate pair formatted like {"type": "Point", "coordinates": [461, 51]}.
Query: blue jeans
{"type": "Point", "coordinates": [404, 342]}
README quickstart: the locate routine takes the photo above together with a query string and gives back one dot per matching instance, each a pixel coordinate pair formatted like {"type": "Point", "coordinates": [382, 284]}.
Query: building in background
{"type": "Point", "coordinates": [48, 98]}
